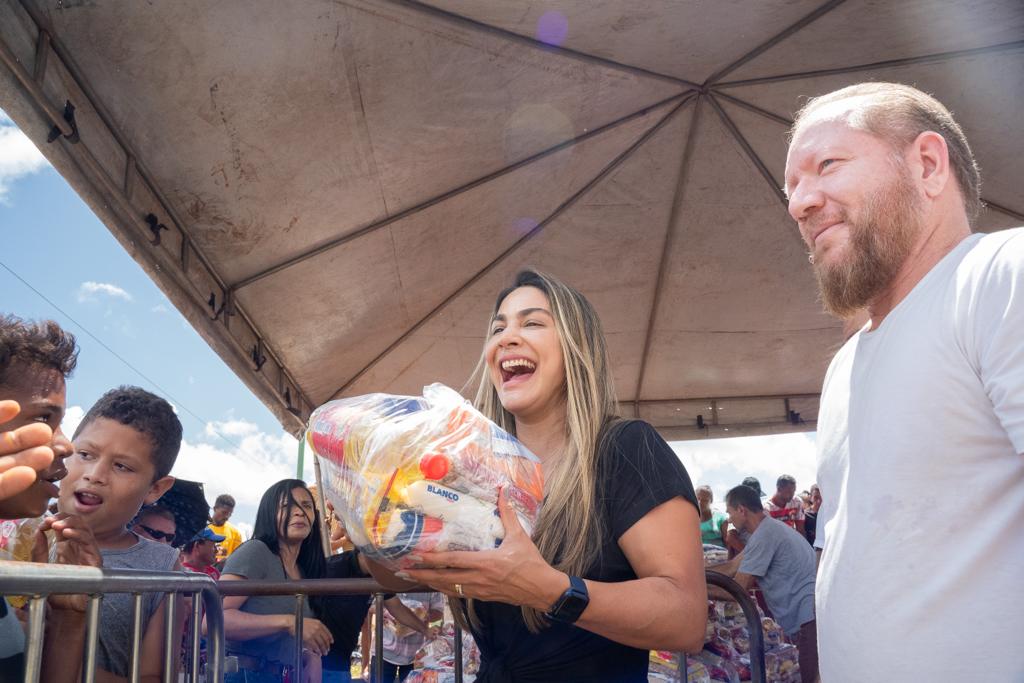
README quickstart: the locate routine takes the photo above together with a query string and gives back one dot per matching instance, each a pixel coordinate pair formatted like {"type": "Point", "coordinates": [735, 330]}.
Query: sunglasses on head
{"type": "Point", "coordinates": [156, 534]}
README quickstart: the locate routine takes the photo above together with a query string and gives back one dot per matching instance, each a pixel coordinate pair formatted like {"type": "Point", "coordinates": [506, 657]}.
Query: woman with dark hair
{"type": "Point", "coordinates": [260, 630]}
{"type": "Point", "coordinates": [613, 567]}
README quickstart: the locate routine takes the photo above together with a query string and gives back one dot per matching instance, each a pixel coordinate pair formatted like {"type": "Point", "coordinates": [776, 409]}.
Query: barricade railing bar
{"type": "Point", "coordinates": [39, 581]}
{"type": "Point", "coordinates": [304, 588]}
{"type": "Point", "coordinates": [758, 673]}
{"type": "Point", "coordinates": [369, 586]}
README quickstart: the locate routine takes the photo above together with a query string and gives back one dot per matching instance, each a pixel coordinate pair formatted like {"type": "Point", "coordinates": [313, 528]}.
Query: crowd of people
{"type": "Point", "coordinates": [927, 398]}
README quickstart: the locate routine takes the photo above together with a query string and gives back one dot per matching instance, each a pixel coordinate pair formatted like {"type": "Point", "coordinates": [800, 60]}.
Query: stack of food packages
{"type": "Point", "coordinates": [435, 663]}
{"type": "Point", "coordinates": [726, 654]}
{"type": "Point", "coordinates": [664, 666]}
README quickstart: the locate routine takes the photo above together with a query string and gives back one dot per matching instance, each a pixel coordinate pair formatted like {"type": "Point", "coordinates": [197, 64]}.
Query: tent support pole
{"type": "Point", "coordinates": [667, 246]}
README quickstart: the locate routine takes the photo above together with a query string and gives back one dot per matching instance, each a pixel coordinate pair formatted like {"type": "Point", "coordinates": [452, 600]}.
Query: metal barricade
{"type": "Point", "coordinates": [37, 581]}
{"type": "Point", "coordinates": [329, 587]}
{"type": "Point", "coordinates": [326, 587]}
{"type": "Point", "coordinates": [757, 667]}
{"type": "Point", "coordinates": [41, 580]}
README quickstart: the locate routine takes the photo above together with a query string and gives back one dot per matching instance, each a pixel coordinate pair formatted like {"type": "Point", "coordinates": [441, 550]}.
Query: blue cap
{"type": "Point", "coordinates": [207, 535]}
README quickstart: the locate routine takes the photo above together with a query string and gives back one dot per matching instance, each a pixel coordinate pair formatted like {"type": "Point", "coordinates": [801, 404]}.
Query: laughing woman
{"type": "Point", "coordinates": [614, 566]}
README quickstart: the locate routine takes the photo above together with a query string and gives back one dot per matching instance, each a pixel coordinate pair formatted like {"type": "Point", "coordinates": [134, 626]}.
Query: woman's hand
{"type": "Point", "coordinates": [513, 573]}
{"type": "Point", "coordinates": [312, 668]}
{"type": "Point", "coordinates": [316, 637]}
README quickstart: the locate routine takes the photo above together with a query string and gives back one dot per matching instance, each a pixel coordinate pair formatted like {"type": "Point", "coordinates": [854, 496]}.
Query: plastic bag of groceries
{"type": "Point", "coordinates": [17, 540]}
{"type": "Point", "coordinates": [423, 473]}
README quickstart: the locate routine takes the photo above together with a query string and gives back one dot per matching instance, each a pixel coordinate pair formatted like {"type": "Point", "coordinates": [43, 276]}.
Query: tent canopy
{"type": "Point", "coordinates": [333, 192]}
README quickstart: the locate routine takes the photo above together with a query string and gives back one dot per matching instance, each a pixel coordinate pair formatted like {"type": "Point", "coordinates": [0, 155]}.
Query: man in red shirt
{"type": "Point", "coordinates": [200, 553]}
{"type": "Point", "coordinates": [785, 506]}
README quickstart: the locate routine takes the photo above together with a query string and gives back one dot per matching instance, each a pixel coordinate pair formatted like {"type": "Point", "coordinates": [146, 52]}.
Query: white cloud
{"type": "Point", "coordinates": [91, 291]}
{"type": "Point", "coordinates": [18, 156]}
{"type": "Point", "coordinates": [724, 463]}
{"type": "Point", "coordinates": [72, 418]}
{"type": "Point", "coordinates": [160, 308]}
{"type": "Point", "coordinates": [230, 428]}
{"type": "Point", "coordinates": [244, 470]}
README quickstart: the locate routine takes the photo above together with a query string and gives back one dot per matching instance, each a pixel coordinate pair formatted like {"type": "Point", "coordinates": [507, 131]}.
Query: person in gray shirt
{"type": "Point", "coordinates": [784, 566]}
{"type": "Point", "coordinates": [260, 630]}
{"type": "Point", "coordinates": [114, 646]}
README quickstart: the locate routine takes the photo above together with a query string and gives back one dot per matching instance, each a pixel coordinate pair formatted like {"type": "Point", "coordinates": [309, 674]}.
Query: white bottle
{"type": "Point", "coordinates": [453, 507]}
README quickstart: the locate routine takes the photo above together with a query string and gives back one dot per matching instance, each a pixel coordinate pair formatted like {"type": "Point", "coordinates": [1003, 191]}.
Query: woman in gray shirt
{"type": "Point", "coordinates": [260, 630]}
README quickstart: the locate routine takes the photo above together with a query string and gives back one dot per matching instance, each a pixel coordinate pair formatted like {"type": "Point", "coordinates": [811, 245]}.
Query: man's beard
{"type": "Point", "coordinates": [880, 241]}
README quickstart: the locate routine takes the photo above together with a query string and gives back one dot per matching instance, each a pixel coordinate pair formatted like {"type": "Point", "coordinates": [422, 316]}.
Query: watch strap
{"type": "Point", "coordinates": [568, 608]}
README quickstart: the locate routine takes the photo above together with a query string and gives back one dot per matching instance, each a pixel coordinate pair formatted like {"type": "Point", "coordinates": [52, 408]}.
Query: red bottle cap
{"type": "Point", "coordinates": [434, 467]}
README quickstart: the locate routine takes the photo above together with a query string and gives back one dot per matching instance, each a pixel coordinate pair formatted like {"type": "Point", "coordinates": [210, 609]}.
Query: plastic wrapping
{"type": "Point", "coordinates": [436, 661]}
{"type": "Point", "coordinates": [726, 653]}
{"type": "Point", "coordinates": [17, 539]}
{"type": "Point", "coordinates": [421, 473]}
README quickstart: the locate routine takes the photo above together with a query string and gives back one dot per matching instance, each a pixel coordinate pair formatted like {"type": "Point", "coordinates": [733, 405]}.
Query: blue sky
{"type": "Point", "coordinates": [233, 444]}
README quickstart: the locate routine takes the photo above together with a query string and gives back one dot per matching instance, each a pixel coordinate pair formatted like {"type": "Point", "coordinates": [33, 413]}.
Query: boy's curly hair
{"type": "Point", "coordinates": [145, 413]}
{"type": "Point", "coordinates": [41, 343]}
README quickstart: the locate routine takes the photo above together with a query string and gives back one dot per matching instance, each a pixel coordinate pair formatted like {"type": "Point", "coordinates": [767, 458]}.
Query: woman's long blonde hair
{"type": "Point", "coordinates": [570, 529]}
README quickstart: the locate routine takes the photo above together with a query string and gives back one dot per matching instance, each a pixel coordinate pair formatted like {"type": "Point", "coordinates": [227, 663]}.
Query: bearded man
{"type": "Point", "coordinates": [921, 427]}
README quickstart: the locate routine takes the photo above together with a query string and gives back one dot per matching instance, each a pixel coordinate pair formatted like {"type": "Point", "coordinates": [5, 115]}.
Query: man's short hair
{"type": "Point", "coordinates": [147, 414]}
{"type": "Point", "coordinates": [224, 501]}
{"type": "Point", "coordinates": [41, 343]}
{"type": "Point", "coordinates": [785, 479]}
{"type": "Point", "coordinates": [744, 496]}
{"type": "Point", "coordinates": [898, 113]}
{"type": "Point", "coordinates": [753, 483]}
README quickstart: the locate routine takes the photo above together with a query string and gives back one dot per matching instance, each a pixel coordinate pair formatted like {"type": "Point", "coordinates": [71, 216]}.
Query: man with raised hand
{"type": "Point", "coordinates": [926, 399]}
{"type": "Point", "coordinates": [36, 359]}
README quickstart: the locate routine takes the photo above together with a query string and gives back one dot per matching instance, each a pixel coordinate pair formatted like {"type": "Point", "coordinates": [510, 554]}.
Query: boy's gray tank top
{"type": "Point", "coordinates": [114, 649]}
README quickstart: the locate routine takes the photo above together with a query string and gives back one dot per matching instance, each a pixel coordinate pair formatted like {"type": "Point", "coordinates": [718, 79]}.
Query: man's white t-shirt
{"type": "Point", "coordinates": [920, 443]}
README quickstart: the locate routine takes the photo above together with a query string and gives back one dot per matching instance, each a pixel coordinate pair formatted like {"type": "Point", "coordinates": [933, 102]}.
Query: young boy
{"type": "Point", "coordinates": [35, 361]}
{"type": "Point", "coordinates": [125, 447]}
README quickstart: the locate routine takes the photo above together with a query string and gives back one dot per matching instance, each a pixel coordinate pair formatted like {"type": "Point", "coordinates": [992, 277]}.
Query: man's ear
{"type": "Point", "coordinates": [159, 488]}
{"type": "Point", "coordinates": [931, 156]}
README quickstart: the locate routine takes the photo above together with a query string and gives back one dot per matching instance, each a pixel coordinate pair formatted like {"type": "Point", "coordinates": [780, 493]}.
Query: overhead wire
{"type": "Point", "coordinates": [208, 424]}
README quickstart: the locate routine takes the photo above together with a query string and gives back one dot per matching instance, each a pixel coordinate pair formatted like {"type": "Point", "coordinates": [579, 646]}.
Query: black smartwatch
{"type": "Point", "coordinates": [568, 608]}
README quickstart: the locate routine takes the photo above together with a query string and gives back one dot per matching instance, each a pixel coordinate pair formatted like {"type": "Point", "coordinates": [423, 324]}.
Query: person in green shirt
{"type": "Point", "coordinates": [712, 522]}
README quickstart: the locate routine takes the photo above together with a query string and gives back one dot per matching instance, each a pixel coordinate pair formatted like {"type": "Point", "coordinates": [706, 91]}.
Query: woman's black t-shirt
{"type": "Point", "coordinates": [343, 615]}
{"type": "Point", "coordinates": [637, 473]}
